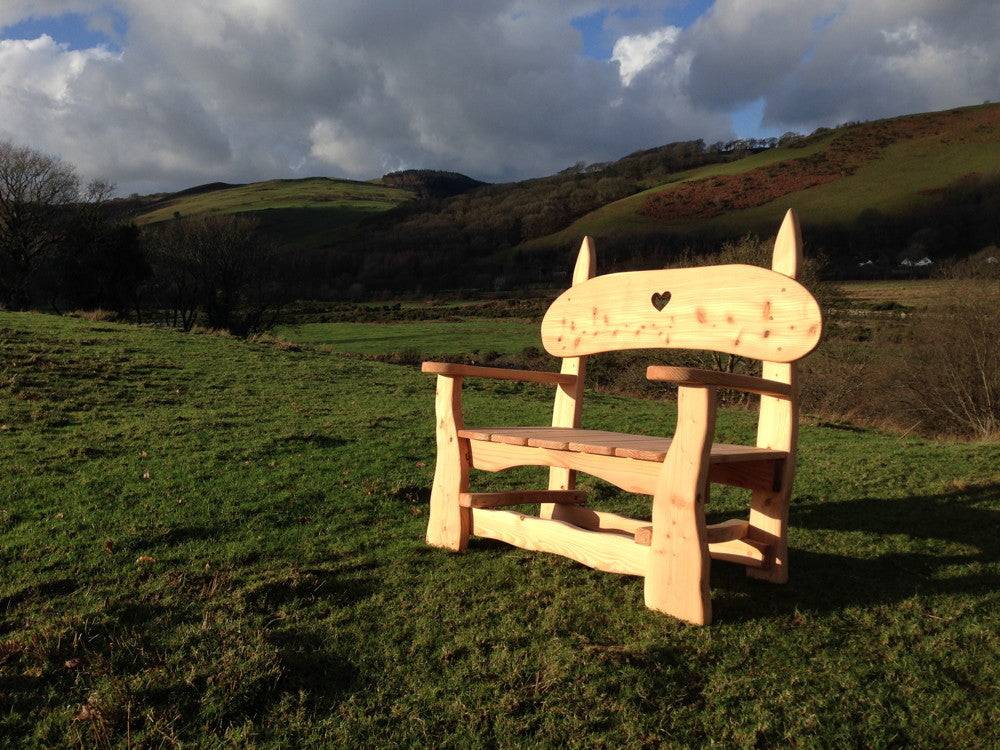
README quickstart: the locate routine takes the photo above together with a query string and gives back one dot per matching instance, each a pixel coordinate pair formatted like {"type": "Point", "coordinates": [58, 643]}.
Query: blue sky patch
{"type": "Point", "coordinates": [685, 13]}
{"type": "Point", "coordinates": [106, 28]}
{"type": "Point", "coordinates": [597, 41]}
{"type": "Point", "coordinates": [747, 121]}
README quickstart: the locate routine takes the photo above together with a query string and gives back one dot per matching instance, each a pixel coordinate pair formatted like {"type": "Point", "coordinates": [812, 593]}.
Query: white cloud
{"type": "Point", "coordinates": [823, 62]}
{"type": "Point", "coordinates": [41, 67]}
{"type": "Point", "coordinates": [248, 89]}
{"type": "Point", "coordinates": [636, 52]}
{"type": "Point", "coordinates": [355, 155]}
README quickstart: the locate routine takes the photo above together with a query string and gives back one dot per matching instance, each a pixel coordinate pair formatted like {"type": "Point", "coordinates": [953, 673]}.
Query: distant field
{"type": "Point", "coordinates": [300, 211]}
{"type": "Point", "coordinates": [478, 333]}
{"type": "Point", "coordinates": [916, 293]}
{"type": "Point", "coordinates": [430, 338]}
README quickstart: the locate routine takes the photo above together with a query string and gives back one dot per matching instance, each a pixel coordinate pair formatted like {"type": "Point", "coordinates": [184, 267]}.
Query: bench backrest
{"type": "Point", "coordinates": [735, 309]}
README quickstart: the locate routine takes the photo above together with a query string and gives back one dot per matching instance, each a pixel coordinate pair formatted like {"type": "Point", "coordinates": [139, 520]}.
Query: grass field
{"type": "Point", "coordinates": [211, 542]}
{"type": "Point", "coordinates": [299, 211]}
{"type": "Point", "coordinates": [914, 293]}
{"type": "Point", "coordinates": [431, 338]}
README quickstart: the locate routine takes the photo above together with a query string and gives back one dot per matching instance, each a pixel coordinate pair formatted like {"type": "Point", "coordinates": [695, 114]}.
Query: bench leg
{"type": "Point", "coordinates": [678, 575]}
{"type": "Point", "coordinates": [449, 523]}
{"type": "Point", "coordinates": [769, 524]}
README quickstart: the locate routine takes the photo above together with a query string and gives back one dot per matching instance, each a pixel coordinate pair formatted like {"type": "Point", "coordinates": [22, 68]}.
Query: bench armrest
{"type": "Point", "coordinates": [497, 373]}
{"type": "Point", "coordinates": [692, 376]}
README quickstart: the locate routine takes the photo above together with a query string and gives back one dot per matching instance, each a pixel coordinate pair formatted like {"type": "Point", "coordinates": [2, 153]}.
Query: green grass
{"type": "Point", "coordinates": [431, 338]}
{"type": "Point", "coordinates": [219, 543]}
{"type": "Point", "coordinates": [300, 211]}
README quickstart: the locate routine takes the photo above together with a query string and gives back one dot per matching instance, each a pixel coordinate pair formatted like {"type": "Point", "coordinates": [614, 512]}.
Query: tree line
{"type": "Point", "coordinates": [68, 246]}
{"type": "Point", "coordinates": [65, 245]}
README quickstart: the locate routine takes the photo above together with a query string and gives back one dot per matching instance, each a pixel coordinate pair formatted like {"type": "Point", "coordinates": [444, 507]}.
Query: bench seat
{"type": "Point", "coordinates": [603, 443]}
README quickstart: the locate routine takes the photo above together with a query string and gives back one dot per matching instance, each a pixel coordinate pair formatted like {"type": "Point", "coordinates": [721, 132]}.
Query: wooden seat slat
{"type": "Point", "coordinates": [604, 443]}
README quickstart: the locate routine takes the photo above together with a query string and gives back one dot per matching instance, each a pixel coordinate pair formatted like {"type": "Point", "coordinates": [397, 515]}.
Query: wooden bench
{"type": "Point", "coordinates": [734, 309]}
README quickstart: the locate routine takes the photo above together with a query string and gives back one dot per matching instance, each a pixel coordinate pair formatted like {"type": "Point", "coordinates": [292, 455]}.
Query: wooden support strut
{"type": "Point", "coordinates": [677, 578]}
{"type": "Point", "coordinates": [449, 523]}
{"type": "Point", "coordinates": [778, 427]}
{"type": "Point", "coordinates": [501, 499]}
{"type": "Point", "coordinates": [727, 541]}
{"type": "Point", "coordinates": [607, 551]}
{"type": "Point", "coordinates": [569, 397]}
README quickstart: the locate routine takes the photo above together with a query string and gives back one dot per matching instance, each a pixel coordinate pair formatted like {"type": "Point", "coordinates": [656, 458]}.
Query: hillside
{"type": "Point", "coordinates": [301, 212]}
{"type": "Point", "coordinates": [875, 197]}
{"type": "Point", "coordinates": [895, 167]}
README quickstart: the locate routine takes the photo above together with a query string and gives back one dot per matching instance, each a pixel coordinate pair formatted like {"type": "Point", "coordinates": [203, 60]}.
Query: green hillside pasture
{"type": "Point", "coordinates": [215, 543]}
{"type": "Point", "coordinates": [301, 211]}
{"type": "Point", "coordinates": [891, 184]}
{"type": "Point", "coordinates": [430, 338]}
{"type": "Point", "coordinates": [623, 215]}
{"type": "Point", "coordinates": [894, 182]}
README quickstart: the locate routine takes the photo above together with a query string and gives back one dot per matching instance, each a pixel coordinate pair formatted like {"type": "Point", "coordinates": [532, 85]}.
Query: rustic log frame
{"type": "Point", "coordinates": [673, 551]}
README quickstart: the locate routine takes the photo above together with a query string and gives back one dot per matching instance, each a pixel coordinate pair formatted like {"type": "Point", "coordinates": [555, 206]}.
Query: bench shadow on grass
{"type": "Point", "coordinates": [822, 582]}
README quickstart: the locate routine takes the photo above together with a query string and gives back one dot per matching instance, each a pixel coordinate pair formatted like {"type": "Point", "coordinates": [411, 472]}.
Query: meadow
{"type": "Point", "coordinates": [215, 542]}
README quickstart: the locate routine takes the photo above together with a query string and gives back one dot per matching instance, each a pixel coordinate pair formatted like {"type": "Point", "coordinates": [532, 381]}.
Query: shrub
{"type": "Point", "coordinates": [951, 374]}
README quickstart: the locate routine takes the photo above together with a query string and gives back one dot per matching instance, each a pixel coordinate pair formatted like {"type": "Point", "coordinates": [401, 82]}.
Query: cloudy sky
{"type": "Point", "coordinates": [159, 95]}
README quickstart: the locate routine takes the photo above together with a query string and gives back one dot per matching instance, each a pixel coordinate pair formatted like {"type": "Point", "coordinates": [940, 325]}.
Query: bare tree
{"type": "Point", "coordinates": [219, 267]}
{"type": "Point", "coordinates": [172, 249]}
{"type": "Point", "coordinates": [35, 191]}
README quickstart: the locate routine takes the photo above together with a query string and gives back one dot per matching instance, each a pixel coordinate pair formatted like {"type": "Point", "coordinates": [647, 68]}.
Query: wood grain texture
{"type": "Point", "coordinates": [599, 520]}
{"type": "Point", "coordinates": [629, 474]}
{"type": "Point", "coordinates": [569, 398]}
{"type": "Point", "coordinates": [605, 443]}
{"type": "Point", "coordinates": [677, 578]}
{"type": "Point", "coordinates": [449, 523]}
{"type": "Point", "coordinates": [727, 541]}
{"type": "Point", "coordinates": [607, 551]}
{"type": "Point", "coordinates": [696, 376]}
{"type": "Point", "coordinates": [734, 309]}
{"type": "Point", "coordinates": [752, 554]}
{"type": "Point", "coordinates": [726, 531]}
{"type": "Point", "coordinates": [520, 497]}
{"type": "Point", "coordinates": [778, 427]}
{"type": "Point", "coordinates": [496, 373]}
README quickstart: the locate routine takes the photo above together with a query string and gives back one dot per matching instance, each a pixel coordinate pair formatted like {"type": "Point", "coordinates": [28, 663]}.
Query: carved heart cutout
{"type": "Point", "coordinates": [660, 300]}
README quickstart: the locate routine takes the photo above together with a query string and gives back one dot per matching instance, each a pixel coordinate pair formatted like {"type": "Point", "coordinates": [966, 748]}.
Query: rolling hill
{"type": "Point", "coordinates": [301, 212]}
{"type": "Point", "coordinates": [893, 167]}
{"type": "Point", "coordinates": [869, 194]}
